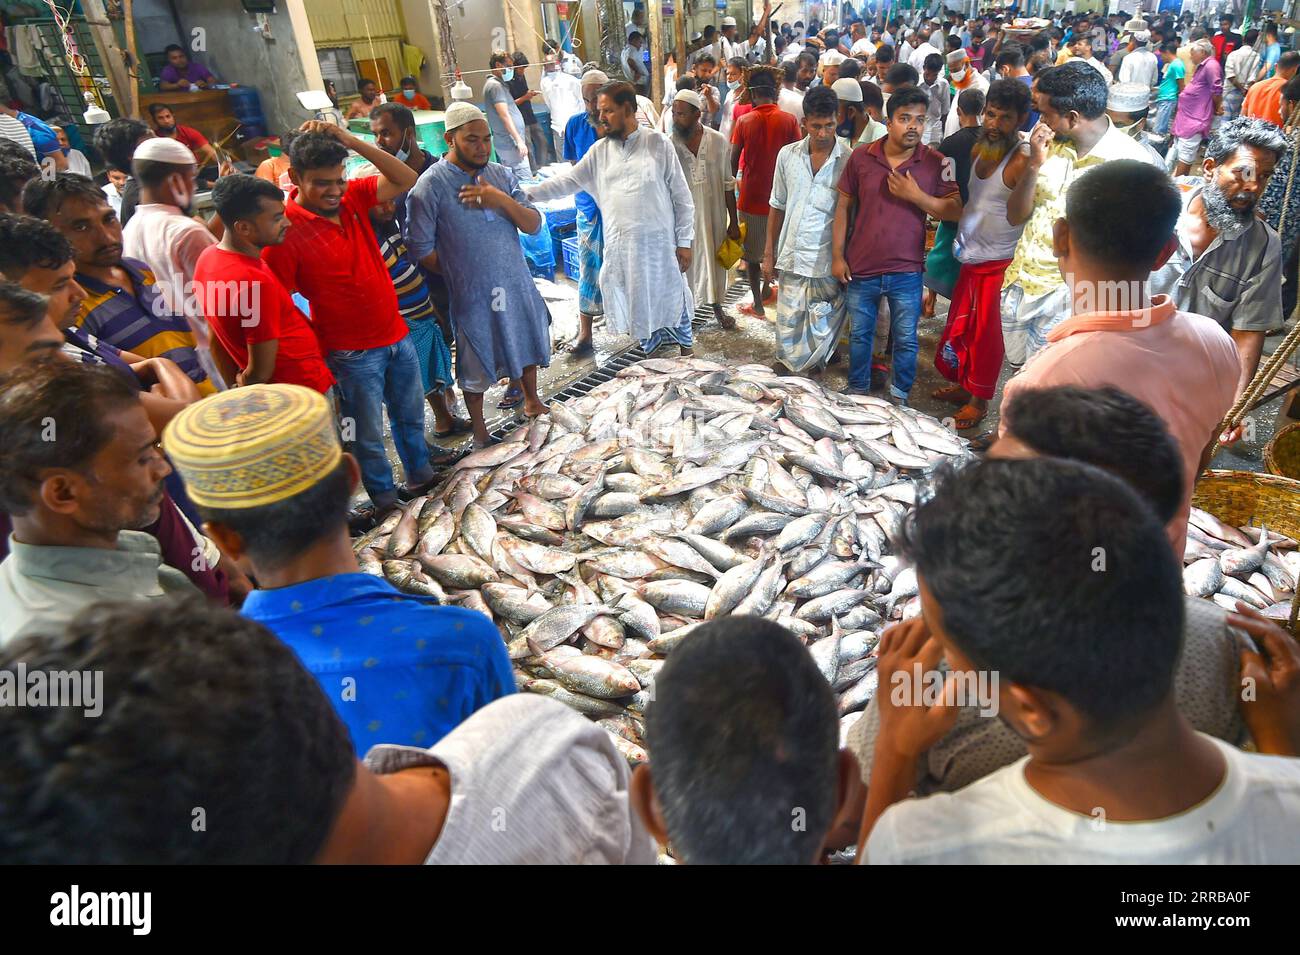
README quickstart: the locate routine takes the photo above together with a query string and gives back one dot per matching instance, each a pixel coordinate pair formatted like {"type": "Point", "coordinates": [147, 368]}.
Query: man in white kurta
{"type": "Point", "coordinates": [649, 221]}
{"type": "Point", "coordinates": [705, 156]}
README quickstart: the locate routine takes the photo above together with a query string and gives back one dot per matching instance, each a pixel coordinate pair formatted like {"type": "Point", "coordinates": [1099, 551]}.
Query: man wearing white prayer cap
{"type": "Point", "coordinates": [1127, 105]}
{"type": "Point", "coordinates": [163, 235]}
{"type": "Point", "coordinates": [705, 156]}
{"type": "Point", "coordinates": [463, 217]}
{"type": "Point", "coordinates": [1140, 65]}
{"type": "Point", "coordinates": [963, 77]}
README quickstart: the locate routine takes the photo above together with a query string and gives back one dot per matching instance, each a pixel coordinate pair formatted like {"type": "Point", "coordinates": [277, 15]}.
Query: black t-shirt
{"type": "Point", "coordinates": [130, 199]}
{"type": "Point", "coordinates": [518, 86]}
{"type": "Point", "coordinates": [958, 147]}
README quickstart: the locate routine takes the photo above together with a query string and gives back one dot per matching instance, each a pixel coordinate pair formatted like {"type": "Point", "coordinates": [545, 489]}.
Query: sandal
{"type": "Point", "coordinates": [458, 426]}
{"type": "Point", "coordinates": [576, 348]}
{"type": "Point", "coordinates": [968, 417]}
{"type": "Point", "coordinates": [513, 398]}
{"type": "Point", "coordinates": [751, 311]}
{"type": "Point", "coordinates": [955, 394]}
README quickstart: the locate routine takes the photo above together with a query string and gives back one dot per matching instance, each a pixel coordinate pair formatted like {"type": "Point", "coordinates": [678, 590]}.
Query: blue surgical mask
{"type": "Point", "coordinates": [507, 76]}
{"type": "Point", "coordinates": [733, 86]}
{"type": "Point", "coordinates": [409, 94]}
{"type": "Point", "coordinates": [403, 154]}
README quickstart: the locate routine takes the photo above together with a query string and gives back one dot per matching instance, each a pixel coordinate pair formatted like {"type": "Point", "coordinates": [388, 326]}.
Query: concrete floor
{"type": "Point", "coordinates": [753, 341]}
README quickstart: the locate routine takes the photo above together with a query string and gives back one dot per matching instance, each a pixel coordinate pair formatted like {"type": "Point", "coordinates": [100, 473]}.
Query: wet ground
{"type": "Point", "coordinates": [753, 341]}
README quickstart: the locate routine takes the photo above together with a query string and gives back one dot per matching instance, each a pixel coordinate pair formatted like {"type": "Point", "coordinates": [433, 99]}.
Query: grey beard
{"type": "Point", "coordinates": [1223, 218]}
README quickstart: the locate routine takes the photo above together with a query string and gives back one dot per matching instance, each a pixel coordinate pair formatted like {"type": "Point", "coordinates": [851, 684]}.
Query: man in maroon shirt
{"type": "Point", "coordinates": [331, 256]}
{"type": "Point", "coordinates": [757, 138]}
{"type": "Point", "coordinates": [886, 191]}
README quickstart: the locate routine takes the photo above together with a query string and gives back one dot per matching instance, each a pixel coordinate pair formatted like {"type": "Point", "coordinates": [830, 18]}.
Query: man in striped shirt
{"type": "Point", "coordinates": [123, 305]}
{"type": "Point", "coordinates": [415, 305]}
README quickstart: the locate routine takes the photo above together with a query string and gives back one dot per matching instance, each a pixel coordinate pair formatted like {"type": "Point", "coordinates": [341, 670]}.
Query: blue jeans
{"type": "Point", "coordinates": [1164, 118]}
{"type": "Point", "coordinates": [903, 290]}
{"type": "Point", "coordinates": [367, 381]}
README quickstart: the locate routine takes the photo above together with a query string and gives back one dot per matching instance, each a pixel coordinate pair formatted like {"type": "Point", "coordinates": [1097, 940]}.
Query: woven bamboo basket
{"type": "Point", "coordinates": [1282, 455]}
{"type": "Point", "coordinates": [1248, 497]}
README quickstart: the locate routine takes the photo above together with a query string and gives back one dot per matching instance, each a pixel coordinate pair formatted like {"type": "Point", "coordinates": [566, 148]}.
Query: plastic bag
{"type": "Point", "coordinates": [731, 249]}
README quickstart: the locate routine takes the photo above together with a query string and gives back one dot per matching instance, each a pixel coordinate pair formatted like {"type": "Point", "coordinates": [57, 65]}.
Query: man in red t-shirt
{"type": "Point", "coordinates": [331, 256]}
{"type": "Point", "coordinates": [164, 124]}
{"type": "Point", "coordinates": [757, 137]}
{"type": "Point", "coordinates": [886, 191]}
{"type": "Point", "coordinates": [259, 329]}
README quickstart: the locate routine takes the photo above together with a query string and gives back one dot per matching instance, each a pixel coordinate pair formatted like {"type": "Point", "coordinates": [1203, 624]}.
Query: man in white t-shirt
{"type": "Point", "coordinates": [923, 49]}
{"type": "Point", "coordinates": [1062, 613]}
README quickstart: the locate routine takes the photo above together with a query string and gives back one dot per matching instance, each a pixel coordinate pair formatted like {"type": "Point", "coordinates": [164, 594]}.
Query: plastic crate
{"type": "Point", "coordinates": [560, 218]}
{"type": "Point", "coordinates": [557, 237]}
{"type": "Point", "coordinates": [569, 249]}
{"type": "Point", "coordinates": [539, 271]}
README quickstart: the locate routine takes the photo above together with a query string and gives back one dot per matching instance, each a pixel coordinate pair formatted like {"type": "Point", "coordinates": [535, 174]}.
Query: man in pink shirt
{"type": "Point", "coordinates": [1183, 366]}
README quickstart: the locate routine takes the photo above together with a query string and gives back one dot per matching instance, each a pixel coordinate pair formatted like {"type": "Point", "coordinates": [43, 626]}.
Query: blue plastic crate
{"type": "Point", "coordinates": [542, 271]}
{"type": "Point", "coordinates": [560, 218]}
{"type": "Point", "coordinates": [569, 249]}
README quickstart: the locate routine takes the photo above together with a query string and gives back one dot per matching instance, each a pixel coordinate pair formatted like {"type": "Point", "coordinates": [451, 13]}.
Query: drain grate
{"type": "Point", "coordinates": [616, 363]}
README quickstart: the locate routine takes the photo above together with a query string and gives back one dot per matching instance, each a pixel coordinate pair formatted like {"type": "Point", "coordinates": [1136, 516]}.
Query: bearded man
{"type": "Point", "coordinates": [1228, 264]}
{"type": "Point", "coordinates": [705, 157]}
{"type": "Point", "coordinates": [970, 350]}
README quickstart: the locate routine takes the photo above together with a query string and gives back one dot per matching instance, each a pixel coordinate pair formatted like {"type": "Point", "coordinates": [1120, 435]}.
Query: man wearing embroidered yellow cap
{"type": "Point", "coordinates": [264, 466]}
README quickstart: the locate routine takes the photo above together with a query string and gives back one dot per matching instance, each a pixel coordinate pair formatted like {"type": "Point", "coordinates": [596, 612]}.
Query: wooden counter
{"type": "Point", "coordinates": [208, 111]}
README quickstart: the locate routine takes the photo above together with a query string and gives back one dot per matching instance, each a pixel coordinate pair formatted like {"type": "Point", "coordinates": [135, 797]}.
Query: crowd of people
{"type": "Point", "coordinates": [190, 408]}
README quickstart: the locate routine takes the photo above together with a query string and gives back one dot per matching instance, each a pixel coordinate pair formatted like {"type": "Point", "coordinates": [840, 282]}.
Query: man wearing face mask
{"type": "Point", "coordinates": [412, 98]}
{"type": "Point", "coordinates": [962, 78]}
{"type": "Point", "coordinates": [503, 116]}
{"type": "Point", "coordinates": [1228, 262]}
{"type": "Point", "coordinates": [164, 236]}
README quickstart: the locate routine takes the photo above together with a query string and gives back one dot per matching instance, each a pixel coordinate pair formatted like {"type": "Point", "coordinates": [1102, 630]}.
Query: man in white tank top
{"type": "Point", "coordinates": [969, 352]}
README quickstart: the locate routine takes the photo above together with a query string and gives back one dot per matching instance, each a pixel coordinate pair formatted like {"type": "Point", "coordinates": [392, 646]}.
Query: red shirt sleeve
{"type": "Point", "coordinates": [265, 306]}
{"type": "Point", "coordinates": [191, 137]}
{"type": "Point", "coordinates": [362, 194]}
{"type": "Point", "coordinates": [737, 133]}
{"type": "Point", "coordinates": [283, 263]}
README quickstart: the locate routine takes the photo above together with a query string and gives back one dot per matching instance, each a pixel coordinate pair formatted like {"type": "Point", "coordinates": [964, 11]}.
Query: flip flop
{"type": "Point", "coordinates": [968, 417]}
{"type": "Point", "coordinates": [458, 426]}
{"type": "Point", "coordinates": [576, 349]}
{"type": "Point", "coordinates": [513, 398]}
{"type": "Point", "coordinates": [955, 394]}
{"type": "Point", "coordinates": [751, 311]}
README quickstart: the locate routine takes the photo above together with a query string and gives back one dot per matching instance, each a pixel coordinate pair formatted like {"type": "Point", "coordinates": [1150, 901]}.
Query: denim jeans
{"type": "Point", "coordinates": [903, 292]}
{"type": "Point", "coordinates": [367, 381]}
{"type": "Point", "coordinates": [1164, 118]}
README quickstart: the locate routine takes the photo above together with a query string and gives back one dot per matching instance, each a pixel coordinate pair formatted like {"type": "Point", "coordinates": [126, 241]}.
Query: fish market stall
{"type": "Point", "coordinates": [600, 535]}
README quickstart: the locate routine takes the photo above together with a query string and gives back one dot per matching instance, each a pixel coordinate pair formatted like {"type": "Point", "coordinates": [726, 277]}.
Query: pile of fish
{"type": "Point", "coordinates": [601, 534]}
{"type": "Point", "coordinates": [1250, 564]}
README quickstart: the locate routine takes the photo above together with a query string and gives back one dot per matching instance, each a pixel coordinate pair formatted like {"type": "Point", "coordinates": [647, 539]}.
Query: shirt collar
{"type": "Point", "coordinates": [130, 266]}
{"type": "Point", "coordinates": [1160, 311]}
{"type": "Point", "coordinates": [131, 568]}
{"type": "Point", "coordinates": [311, 595]}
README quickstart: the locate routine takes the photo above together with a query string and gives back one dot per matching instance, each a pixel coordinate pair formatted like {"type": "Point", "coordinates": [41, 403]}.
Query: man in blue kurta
{"type": "Point", "coordinates": [462, 219]}
{"type": "Point", "coordinates": [264, 465]}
